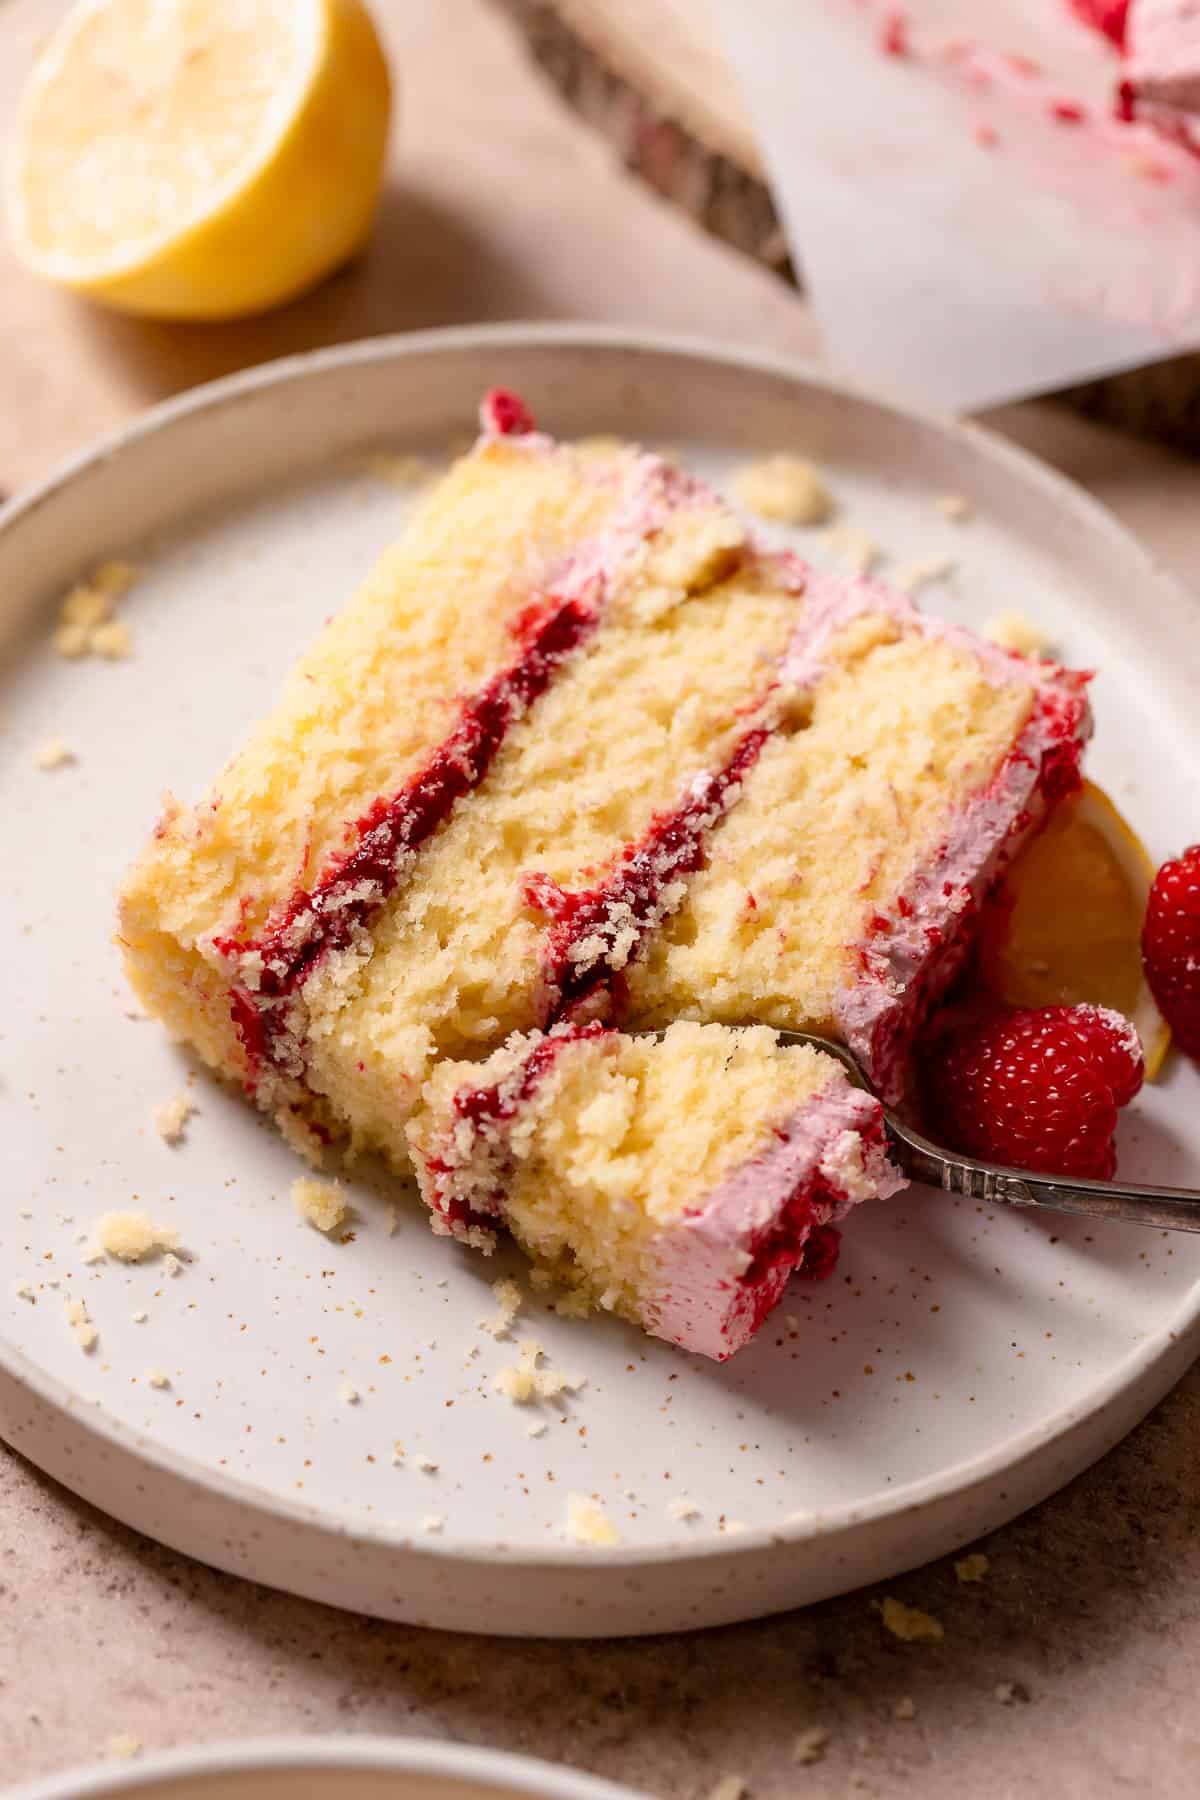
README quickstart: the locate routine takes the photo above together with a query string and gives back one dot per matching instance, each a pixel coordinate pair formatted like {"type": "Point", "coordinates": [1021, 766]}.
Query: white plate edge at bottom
{"type": "Point", "coordinates": [500, 1769]}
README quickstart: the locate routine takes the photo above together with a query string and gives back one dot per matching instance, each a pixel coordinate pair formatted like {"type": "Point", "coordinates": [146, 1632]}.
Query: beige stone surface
{"type": "Point", "coordinates": [500, 206]}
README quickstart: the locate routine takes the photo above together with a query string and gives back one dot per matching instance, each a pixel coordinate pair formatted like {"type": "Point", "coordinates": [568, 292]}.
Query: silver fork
{"type": "Point", "coordinates": [1171, 1209]}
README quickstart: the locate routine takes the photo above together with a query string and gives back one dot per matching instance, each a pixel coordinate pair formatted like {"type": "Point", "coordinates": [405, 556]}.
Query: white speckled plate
{"type": "Point", "coordinates": [961, 1364]}
{"type": "Point", "coordinates": [298, 1768]}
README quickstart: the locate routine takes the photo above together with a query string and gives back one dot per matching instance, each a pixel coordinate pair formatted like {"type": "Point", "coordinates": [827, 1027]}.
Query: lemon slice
{"type": "Point", "coordinates": [1066, 925]}
{"type": "Point", "coordinates": [199, 159]}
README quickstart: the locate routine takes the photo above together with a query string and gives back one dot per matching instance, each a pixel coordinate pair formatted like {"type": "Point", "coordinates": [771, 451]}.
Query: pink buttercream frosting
{"type": "Point", "coordinates": [723, 1266]}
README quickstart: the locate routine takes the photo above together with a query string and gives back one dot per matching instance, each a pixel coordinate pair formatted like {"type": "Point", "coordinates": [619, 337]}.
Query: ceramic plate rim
{"type": "Point", "coordinates": [1009, 1453]}
{"type": "Point", "coordinates": [385, 1754]}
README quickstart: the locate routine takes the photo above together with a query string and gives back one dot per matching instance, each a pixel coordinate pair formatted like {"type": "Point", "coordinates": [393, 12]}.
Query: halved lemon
{"type": "Point", "coordinates": [199, 159]}
{"type": "Point", "coordinates": [1066, 925]}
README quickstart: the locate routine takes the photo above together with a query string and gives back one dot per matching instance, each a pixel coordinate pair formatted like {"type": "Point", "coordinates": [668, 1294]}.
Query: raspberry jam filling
{"type": "Point", "coordinates": [597, 930]}
{"type": "Point", "coordinates": [325, 917]}
{"type": "Point", "coordinates": [487, 1109]}
{"type": "Point", "coordinates": [1107, 16]}
{"type": "Point", "coordinates": [501, 1102]}
{"type": "Point", "coordinates": [797, 1242]}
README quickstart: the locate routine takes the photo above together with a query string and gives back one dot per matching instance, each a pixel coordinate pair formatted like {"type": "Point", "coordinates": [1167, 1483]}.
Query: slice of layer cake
{"type": "Point", "coordinates": [579, 749]}
{"type": "Point", "coordinates": [677, 1180]}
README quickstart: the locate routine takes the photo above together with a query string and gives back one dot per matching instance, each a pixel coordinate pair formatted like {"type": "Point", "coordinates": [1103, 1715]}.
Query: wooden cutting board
{"type": "Point", "coordinates": [650, 77]}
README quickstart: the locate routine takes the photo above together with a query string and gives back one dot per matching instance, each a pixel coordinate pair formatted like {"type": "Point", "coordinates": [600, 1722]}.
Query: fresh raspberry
{"type": "Point", "coordinates": [1033, 1088]}
{"type": "Point", "coordinates": [1171, 947]}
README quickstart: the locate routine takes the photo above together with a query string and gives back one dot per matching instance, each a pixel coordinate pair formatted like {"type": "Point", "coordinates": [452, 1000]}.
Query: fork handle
{"type": "Point", "coordinates": [1170, 1209]}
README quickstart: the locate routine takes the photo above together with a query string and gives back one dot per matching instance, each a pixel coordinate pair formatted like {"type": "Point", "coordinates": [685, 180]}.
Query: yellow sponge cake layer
{"type": "Point", "coordinates": [666, 691]}
{"type": "Point", "coordinates": [677, 1181]}
{"type": "Point", "coordinates": [355, 719]}
{"type": "Point", "coordinates": [913, 730]}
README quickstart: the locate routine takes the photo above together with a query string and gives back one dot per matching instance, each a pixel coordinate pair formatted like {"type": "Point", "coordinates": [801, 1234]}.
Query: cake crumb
{"type": "Point", "coordinates": [911, 577]}
{"type": "Point", "coordinates": [524, 1381]}
{"type": "Point", "coordinates": [588, 1523]}
{"type": "Point", "coordinates": [140, 1317]}
{"type": "Point", "coordinates": [518, 1382]}
{"type": "Point", "coordinates": [123, 1746]}
{"type": "Point", "coordinates": [348, 1393]}
{"type": "Point", "coordinates": [171, 1117]}
{"type": "Point", "coordinates": [172, 1264]}
{"type": "Point", "coordinates": [810, 1745]}
{"type": "Point", "coordinates": [71, 641]}
{"type": "Point", "coordinates": [320, 1204]}
{"type": "Point", "coordinates": [730, 1787]}
{"type": "Point", "coordinates": [972, 1568]}
{"type": "Point", "coordinates": [1013, 631]}
{"type": "Point", "coordinates": [112, 640]}
{"type": "Point", "coordinates": [784, 488]}
{"type": "Point", "coordinates": [433, 1522]}
{"type": "Point", "coordinates": [426, 1465]}
{"type": "Point", "coordinates": [24, 1291]}
{"type": "Point", "coordinates": [85, 623]}
{"type": "Point", "coordinates": [132, 1236]}
{"type": "Point", "coordinates": [114, 578]}
{"type": "Point", "coordinates": [509, 1301]}
{"type": "Point", "coordinates": [905, 1708]}
{"type": "Point", "coordinates": [683, 1508]}
{"type": "Point", "coordinates": [84, 1331]}
{"type": "Point", "coordinates": [537, 1429]}
{"type": "Point", "coordinates": [158, 1378]}
{"type": "Point", "coordinates": [85, 607]}
{"type": "Point", "coordinates": [909, 1622]}
{"type": "Point", "coordinates": [55, 753]}
{"type": "Point", "coordinates": [855, 548]}
{"type": "Point", "coordinates": [953, 506]}
{"type": "Point", "coordinates": [733, 1527]}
